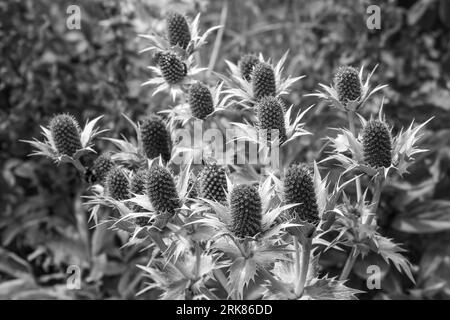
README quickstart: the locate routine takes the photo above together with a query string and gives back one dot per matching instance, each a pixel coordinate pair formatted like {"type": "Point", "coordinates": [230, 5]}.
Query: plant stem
{"type": "Point", "coordinates": [304, 266]}
{"type": "Point", "coordinates": [352, 127]}
{"type": "Point", "coordinates": [222, 279]}
{"type": "Point", "coordinates": [351, 259]}
{"type": "Point", "coordinates": [376, 199]}
{"type": "Point", "coordinates": [218, 42]}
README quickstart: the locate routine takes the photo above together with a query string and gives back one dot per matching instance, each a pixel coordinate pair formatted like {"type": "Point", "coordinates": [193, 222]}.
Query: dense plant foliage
{"type": "Point", "coordinates": [135, 221]}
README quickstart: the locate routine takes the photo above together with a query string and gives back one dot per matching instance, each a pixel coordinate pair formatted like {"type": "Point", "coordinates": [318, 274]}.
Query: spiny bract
{"type": "Point", "coordinates": [213, 183]}
{"type": "Point", "coordinates": [117, 184]}
{"type": "Point", "coordinates": [347, 83]}
{"type": "Point", "coordinates": [377, 145]}
{"type": "Point", "coordinates": [99, 169]}
{"type": "Point", "coordinates": [299, 189]}
{"type": "Point", "coordinates": [200, 100]}
{"type": "Point", "coordinates": [271, 117]}
{"type": "Point", "coordinates": [161, 190]}
{"type": "Point", "coordinates": [178, 30]}
{"type": "Point", "coordinates": [263, 81]}
{"type": "Point", "coordinates": [156, 139]}
{"type": "Point", "coordinates": [172, 68]}
{"type": "Point", "coordinates": [246, 65]}
{"type": "Point", "coordinates": [66, 134]}
{"type": "Point", "coordinates": [245, 205]}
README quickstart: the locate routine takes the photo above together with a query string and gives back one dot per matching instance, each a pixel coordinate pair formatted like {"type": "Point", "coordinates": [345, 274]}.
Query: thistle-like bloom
{"type": "Point", "coordinates": [137, 183]}
{"type": "Point", "coordinates": [213, 183]}
{"type": "Point", "coordinates": [200, 100]}
{"type": "Point", "coordinates": [117, 184]}
{"type": "Point", "coordinates": [377, 145]}
{"type": "Point", "coordinates": [161, 190]}
{"type": "Point", "coordinates": [66, 134]}
{"type": "Point", "coordinates": [173, 69]}
{"type": "Point", "coordinates": [271, 117]}
{"type": "Point", "coordinates": [99, 170]}
{"type": "Point", "coordinates": [299, 189]}
{"type": "Point", "coordinates": [245, 206]}
{"type": "Point", "coordinates": [350, 90]}
{"type": "Point", "coordinates": [246, 65]}
{"type": "Point", "coordinates": [348, 84]}
{"type": "Point", "coordinates": [263, 81]}
{"type": "Point", "coordinates": [63, 140]}
{"type": "Point", "coordinates": [156, 139]}
{"type": "Point", "coordinates": [178, 30]}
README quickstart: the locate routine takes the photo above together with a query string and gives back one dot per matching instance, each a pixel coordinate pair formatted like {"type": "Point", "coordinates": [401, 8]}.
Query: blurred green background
{"type": "Point", "coordinates": [46, 68]}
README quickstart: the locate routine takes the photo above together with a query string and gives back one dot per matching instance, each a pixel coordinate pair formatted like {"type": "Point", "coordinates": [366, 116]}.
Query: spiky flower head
{"type": "Point", "coordinates": [213, 183]}
{"type": "Point", "coordinates": [65, 132]}
{"type": "Point", "coordinates": [271, 116]}
{"type": "Point", "coordinates": [178, 30]}
{"type": "Point", "coordinates": [377, 144]}
{"type": "Point", "coordinates": [348, 84]}
{"type": "Point", "coordinates": [161, 190]}
{"type": "Point", "coordinates": [156, 139]}
{"type": "Point", "coordinates": [200, 100]}
{"type": "Point", "coordinates": [99, 169]}
{"type": "Point", "coordinates": [172, 68]}
{"type": "Point", "coordinates": [246, 207]}
{"type": "Point", "coordinates": [263, 80]}
{"type": "Point", "coordinates": [299, 189]}
{"type": "Point", "coordinates": [246, 65]}
{"type": "Point", "coordinates": [137, 183]}
{"type": "Point", "coordinates": [117, 184]}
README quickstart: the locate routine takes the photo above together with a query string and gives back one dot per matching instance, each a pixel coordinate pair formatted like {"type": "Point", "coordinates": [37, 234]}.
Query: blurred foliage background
{"type": "Point", "coordinates": [46, 68]}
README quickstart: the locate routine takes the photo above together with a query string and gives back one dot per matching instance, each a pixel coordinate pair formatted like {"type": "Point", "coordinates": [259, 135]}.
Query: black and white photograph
{"type": "Point", "coordinates": [206, 150]}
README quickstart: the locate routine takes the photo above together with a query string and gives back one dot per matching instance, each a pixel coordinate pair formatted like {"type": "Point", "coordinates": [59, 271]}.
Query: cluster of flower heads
{"type": "Point", "coordinates": [212, 223]}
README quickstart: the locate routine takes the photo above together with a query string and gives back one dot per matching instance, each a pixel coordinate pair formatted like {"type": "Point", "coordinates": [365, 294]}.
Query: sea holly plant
{"type": "Point", "coordinates": [231, 229]}
{"type": "Point", "coordinates": [64, 141]}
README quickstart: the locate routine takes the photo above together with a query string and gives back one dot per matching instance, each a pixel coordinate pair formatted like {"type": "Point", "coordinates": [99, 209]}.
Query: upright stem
{"type": "Point", "coordinates": [277, 285]}
{"type": "Point", "coordinates": [352, 127]}
{"type": "Point", "coordinates": [217, 43]}
{"type": "Point", "coordinates": [220, 276]}
{"type": "Point", "coordinates": [304, 266]}
{"type": "Point", "coordinates": [349, 263]}
{"type": "Point", "coordinates": [376, 198]}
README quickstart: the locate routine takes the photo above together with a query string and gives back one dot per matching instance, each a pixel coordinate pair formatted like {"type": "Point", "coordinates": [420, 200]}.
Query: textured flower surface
{"type": "Point", "coordinates": [66, 134]}
{"type": "Point", "coordinates": [348, 84]}
{"type": "Point", "coordinates": [99, 170]}
{"type": "Point", "coordinates": [263, 81]}
{"type": "Point", "coordinates": [178, 30]}
{"type": "Point", "coordinates": [213, 183]}
{"type": "Point", "coordinates": [156, 140]}
{"type": "Point", "coordinates": [245, 206]}
{"type": "Point", "coordinates": [377, 145]}
{"type": "Point", "coordinates": [161, 190]}
{"type": "Point", "coordinates": [299, 189]}
{"type": "Point", "coordinates": [246, 65]}
{"type": "Point", "coordinates": [173, 69]}
{"type": "Point", "coordinates": [271, 117]}
{"type": "Point", "coordinates": [200, 100]}
{"type": "Point", "coordinates": [117, 184]}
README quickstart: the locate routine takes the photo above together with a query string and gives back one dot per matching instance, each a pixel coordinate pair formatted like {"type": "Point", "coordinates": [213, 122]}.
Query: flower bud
{"type": "Point", "coordinates": [172, 68]}
{"type": "Point", "coordinates": [117, 184]}
{"type": "Point", "coordinates": [348, 85]}
{"type": "Point", "coordinates": [246, 207]}
{"type": "Point", "coordinates": [178, 30]}
{"type": "Point", "coordinates": [271, 117]}
{"type": "Point", "coordinates": [377, 146]}
{"type": "Point", "coordinates": [263, 81]}
{"type": "Point", "coordinates": [213, 183]}
{"type": "Point", "coordinates": [66, 134]}
{"type": "Point", "coordinates": [200, 100]}
{"type": "Point", "coordinates": [156, 139]}
{"type": "Point", "coordinates": [161, 190]}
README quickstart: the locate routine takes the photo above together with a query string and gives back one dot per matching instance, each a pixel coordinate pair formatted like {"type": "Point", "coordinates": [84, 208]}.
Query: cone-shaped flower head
{"type": "Point", "coordinates": [66, 134]}
{"type": "Point", "coordinates": [271, 117]}
{"type": "Point", "coordinates": [200, 100]}
{"type": "Point", "coordinates": [156, 139]}
{"type": "Point", "coordinates": [213, 183]}
{"type": "Point", "coordinates": [178, 30]}
{"type": "Point", "coordinates": [377, 145]}
{"type": "Point", "coordinates": [246, 65]}
{"type": "Point", "coordinates": [117, 184]}
{"type": "Point", "coordinates": [172, 68]}
{"type": "Point", "coordinates": [246, 207]}
{"type": "Point", "coordinates": [263, 80]}
{"type": "Point", "coordinates": [100, 168]}
{"type": "Point", "coordinates": [299, 189]}
{"type": "Point", "coordinates": [161, 190]}
{"type": "Point", "coordinates": [347, 83]}
{"type": "Point", "coordinates": [137, 183]}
